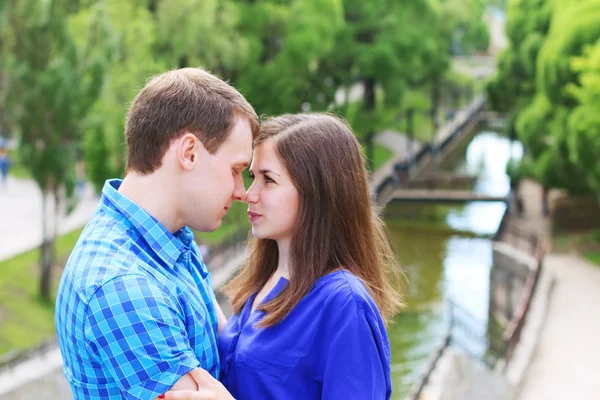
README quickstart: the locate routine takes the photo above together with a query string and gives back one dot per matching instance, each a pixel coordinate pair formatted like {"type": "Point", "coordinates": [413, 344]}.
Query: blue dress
{"type": "Point", "coordinates": [333, 345]}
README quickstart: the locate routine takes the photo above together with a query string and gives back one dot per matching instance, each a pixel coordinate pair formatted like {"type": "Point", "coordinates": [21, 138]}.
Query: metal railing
{"type": "Point", "coordinates": [417, 389]}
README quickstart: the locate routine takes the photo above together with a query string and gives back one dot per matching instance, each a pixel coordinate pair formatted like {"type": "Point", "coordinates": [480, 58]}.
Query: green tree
{"type": "Point", "coordinates": [547, 124]}
{"type": "Point", "coordinates": [200, 33]}
{"type": "Point", "coordinates": [3, 77]}
{"type": "Point", "coordinates": [57, 83]}
{"type": "Point", "coordinates": [584, 121]}
{"type": "Point", "coordinates": [133, 38]}
{"type": "Point", "coordinates": [527, 25]}
{"type": "Point", "coordinates": [383, 50]}
{"type": "Point", "coordinates": [287, 43]}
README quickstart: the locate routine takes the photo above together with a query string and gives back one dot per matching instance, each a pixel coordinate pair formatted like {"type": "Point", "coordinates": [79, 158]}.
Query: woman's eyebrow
{"type": "Point", "coordinates": [267, 171]}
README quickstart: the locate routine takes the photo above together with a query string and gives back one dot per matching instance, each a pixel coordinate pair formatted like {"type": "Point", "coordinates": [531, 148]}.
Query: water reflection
{"type": "Point", "coordinates": [441, 260]}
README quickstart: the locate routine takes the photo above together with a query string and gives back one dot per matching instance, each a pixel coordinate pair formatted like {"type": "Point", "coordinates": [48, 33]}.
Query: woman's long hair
{"type": "Point", "coordinates": [336, 227]}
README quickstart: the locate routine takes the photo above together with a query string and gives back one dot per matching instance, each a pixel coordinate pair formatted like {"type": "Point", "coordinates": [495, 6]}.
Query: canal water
{"type": "Point", "coordinates": [446, 255]}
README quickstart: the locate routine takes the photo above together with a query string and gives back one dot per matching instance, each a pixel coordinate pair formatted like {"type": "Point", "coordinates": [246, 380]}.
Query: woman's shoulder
{"type": "Point", "coordinates": [342, 289]}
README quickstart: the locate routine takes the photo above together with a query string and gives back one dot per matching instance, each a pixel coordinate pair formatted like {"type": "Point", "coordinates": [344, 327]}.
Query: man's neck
{"type": "Point", "coordinates": [155, 195]}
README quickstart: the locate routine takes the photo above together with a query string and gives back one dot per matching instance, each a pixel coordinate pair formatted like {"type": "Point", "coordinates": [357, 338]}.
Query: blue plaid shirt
{"type": "Point", "coordinates": [134, 310]}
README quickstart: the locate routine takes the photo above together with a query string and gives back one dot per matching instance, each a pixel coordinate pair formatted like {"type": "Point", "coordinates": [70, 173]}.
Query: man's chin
{"type": "Point", "coordinates": [209, 228]}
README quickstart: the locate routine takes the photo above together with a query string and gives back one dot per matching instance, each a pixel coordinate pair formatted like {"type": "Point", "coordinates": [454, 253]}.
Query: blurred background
{"type": "Point", "coordinates": [470, 112]}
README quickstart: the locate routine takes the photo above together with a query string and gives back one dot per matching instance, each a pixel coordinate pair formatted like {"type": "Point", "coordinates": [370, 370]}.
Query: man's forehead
{"type": "Point", "coordinates": [242, 162]}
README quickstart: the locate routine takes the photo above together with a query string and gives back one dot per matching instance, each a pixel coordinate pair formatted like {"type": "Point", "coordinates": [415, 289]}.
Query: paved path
{"type": "Point", "coordinates": [21, 216]}
{"type": "Point", "coordinates": [567, 356]}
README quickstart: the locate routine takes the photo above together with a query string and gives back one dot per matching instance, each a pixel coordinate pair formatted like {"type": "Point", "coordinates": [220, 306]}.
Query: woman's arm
{"type": "Point", "coordinates": [356, 356]}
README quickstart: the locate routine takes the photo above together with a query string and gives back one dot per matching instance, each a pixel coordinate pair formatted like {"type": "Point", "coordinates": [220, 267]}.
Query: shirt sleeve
{"type": "Point", "coordinates": [357, 362]}
{"type": "Point", "coordinates": [137, 333]}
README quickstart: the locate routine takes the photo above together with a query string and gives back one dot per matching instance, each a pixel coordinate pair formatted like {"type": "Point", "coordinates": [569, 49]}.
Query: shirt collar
{"type": "Point", "coordinates": [166, 245]}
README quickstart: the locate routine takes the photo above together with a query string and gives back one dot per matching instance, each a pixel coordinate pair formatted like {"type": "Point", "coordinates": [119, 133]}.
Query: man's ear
{"type": "Point", "coordinates": [188, 151]}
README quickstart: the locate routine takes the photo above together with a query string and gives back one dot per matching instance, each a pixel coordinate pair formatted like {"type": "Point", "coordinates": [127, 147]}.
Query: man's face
{"type": "Point", "coordinates": [216, 180]}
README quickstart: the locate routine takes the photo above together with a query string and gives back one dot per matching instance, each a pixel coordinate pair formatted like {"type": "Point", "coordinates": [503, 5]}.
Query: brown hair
{"type": "Point", "coordinates": [336, 227]}
{"type": "Point", "coordinates": [187, 99]}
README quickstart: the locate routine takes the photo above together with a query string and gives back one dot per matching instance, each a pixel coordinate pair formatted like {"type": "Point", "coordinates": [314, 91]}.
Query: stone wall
{"type": "Point", "coordinates": [511, 267]}
{"type": "Point", "coordinates": [39, 377]}
{"type": "Point", "coordinates": [458, 377]}
{"type": "Point", "coordinates": [51, 386]}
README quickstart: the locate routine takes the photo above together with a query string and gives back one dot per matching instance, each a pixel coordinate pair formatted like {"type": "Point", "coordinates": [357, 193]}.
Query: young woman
{"type": "Point", "coordinates": [311, 303]}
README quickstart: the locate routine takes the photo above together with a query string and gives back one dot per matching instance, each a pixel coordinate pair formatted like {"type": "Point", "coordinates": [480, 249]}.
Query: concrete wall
{"type": "Point", "coordinates": [52, 386]}
{"type": "Point", "coordinates": [39, 378]}
{"type": "Point", "coordinates": [458, 377]}
{"type": "Point", "coordinates": [509, 273]}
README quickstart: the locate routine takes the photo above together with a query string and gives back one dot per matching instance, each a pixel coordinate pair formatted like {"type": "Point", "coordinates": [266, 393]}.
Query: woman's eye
{"type": "Point", "coordinates": [269, 180]}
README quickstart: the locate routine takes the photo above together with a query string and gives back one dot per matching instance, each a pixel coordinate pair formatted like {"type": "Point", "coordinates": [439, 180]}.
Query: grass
{"type": "Point", "coordinates": [25, 319]}
{"type": "Point", "coordinates": [17, 169]}
{"type": "Point", "coordinates": [217, 237]}
{"type": "Point", "coordinates": [586, 243]}
{"type": "Point", "coordinates": [593, 256]}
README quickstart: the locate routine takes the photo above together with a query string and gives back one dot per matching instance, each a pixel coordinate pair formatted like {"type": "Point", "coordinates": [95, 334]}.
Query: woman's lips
{"type": "Point", "coordinates": [253, 216]}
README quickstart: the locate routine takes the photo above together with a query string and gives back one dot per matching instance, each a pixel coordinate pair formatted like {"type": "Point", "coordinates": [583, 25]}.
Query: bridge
{"type": "Point", "coordinates": [440, 196]}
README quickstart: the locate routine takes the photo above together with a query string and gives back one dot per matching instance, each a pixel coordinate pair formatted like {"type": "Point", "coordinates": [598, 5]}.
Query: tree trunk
{"type": "Point", "coordinates": [47, 249]}
{"type": "Point", "coordinates": [368, 107]}
{"type": "Point", "coordinates": [435, 106]}
{"type": "Point", "coordinates": [44, 252]}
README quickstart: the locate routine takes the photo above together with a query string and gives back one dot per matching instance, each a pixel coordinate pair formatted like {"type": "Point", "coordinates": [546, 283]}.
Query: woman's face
{"type": "Point", "coordinates": [272, 198]}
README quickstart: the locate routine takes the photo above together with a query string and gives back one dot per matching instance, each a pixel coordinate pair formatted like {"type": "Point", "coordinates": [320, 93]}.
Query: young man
{"type": "Point", "coordinates": [135, 311]}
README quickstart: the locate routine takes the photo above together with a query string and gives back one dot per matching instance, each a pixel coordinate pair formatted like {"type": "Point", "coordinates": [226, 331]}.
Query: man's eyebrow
{"type": "Point", "coordinates": [243, 164]}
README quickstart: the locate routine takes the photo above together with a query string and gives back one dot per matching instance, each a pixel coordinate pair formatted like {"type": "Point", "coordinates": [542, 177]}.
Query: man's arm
{"type": "Point", "coordinates": [137, 333]}
{"type": "Point", "coordinates": [207, 388]}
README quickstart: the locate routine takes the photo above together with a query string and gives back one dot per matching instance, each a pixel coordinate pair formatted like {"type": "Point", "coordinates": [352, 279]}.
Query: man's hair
{"type": "Point", "coordinates": [178, 101]}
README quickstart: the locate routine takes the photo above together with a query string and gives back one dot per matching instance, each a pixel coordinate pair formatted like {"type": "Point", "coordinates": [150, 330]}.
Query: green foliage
{"type": "Point", "coordinates": [288, 42]}
{"type": "Point", "coordinates": [548, 82]}
{"type": "Point", "coordinates": [133, 39]}
{"type": "Point", "coordinates": [57, 82]}
{"type": "Point", "coordinates": [526, 27]}
{"type": "Point", "coordinates": [584, 121]}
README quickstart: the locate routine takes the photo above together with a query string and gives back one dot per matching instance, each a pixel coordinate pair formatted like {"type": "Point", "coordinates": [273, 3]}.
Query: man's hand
{"type": "Point", "coordinates": [208, 389]}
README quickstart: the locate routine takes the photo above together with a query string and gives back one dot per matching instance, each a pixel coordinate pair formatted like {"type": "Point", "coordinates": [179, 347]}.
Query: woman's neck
{"type": "Point", "coordinates": [283, 247]}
